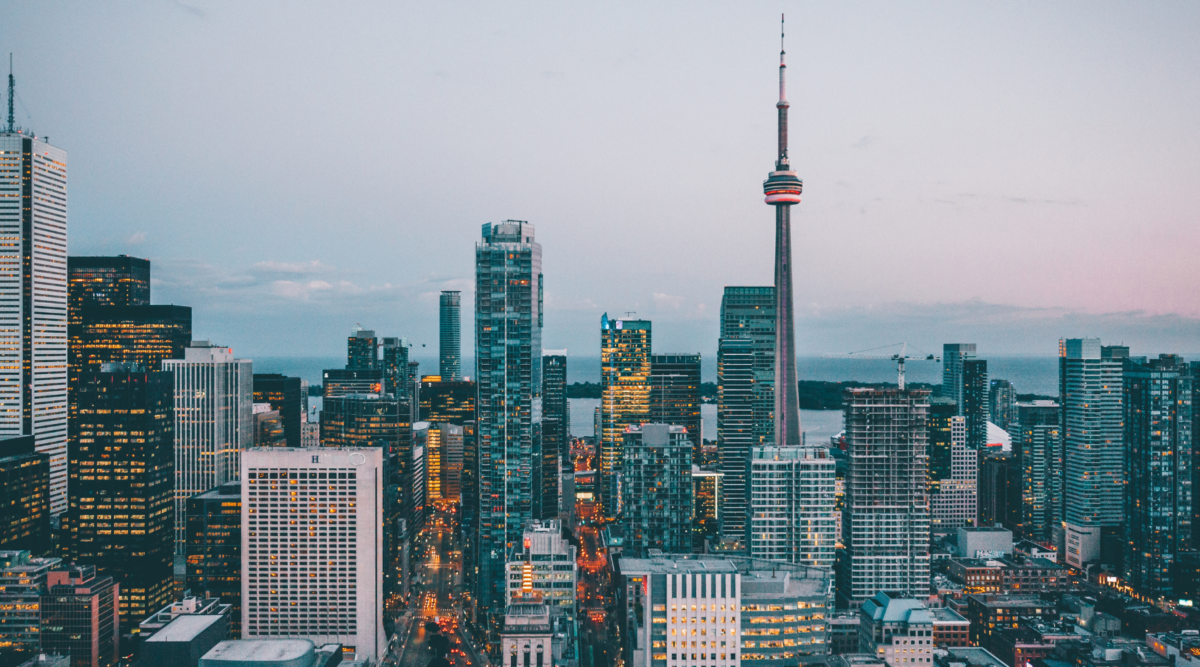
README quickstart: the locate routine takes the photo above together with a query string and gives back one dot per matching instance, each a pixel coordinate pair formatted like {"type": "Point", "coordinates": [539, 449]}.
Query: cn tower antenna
{"type": "Point", "coordinates": [11, 93]}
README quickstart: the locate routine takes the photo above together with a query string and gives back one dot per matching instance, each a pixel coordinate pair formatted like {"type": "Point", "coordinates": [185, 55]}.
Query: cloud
{"type": "Point", "coordinates": [293, 268]}
{"type": "Point", "coordinates": [667, 301]}
{"type": "Point", "coordinates": [193, 10]}
{"type": "Point", "coordinates": [136, 238]}
{"type": "Point", "coordinates": [866, 141]}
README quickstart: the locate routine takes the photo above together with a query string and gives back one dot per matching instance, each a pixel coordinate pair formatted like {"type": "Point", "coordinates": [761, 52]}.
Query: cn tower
{"type": "Point", "coordinates": [782, 188]}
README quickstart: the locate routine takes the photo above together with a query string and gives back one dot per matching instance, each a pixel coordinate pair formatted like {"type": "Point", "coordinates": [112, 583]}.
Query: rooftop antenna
{"type": "Point", "coordinates": [11, 93]}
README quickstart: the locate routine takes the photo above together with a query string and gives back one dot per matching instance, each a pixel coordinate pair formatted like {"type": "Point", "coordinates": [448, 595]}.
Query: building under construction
{"type": "Point", "coordinates": [886, 517]}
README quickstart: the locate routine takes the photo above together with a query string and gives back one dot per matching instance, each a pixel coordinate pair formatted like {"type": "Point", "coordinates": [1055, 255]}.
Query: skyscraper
{"type": "Point", "coordinates": [395, 368]}
{"type": "Point", "coordinates": [886, 520]}
{"type": "Point", "coordinates": [975, 402]}
{"type": "Point", "coordinates": [675, 394]}
{"type": "Point", "coordinates": [1002, 403]}
{"type": "Point", "coordinates": [330, 588]}
{"type": "Point", "coordinates": [748, 313]}
{"type": "Point", "coordinates": [107, 281]}
{"type": "Point", "coordinates": [782, 189]}
{"type": "Point", "coordinates": [1035, 444]}
{"type": "Point", "coordinates": [656, 481]}
{"type": "Point", "coordinates": [342, 382]}
{"type": "Point", "coordinates": [362, 349]}
{"type": "Point", "coordinates": [140, 334]}
{"type": "Point", "coordinates": [284, 395]}
{"type": "Point", "coordinates": [508, 356]}
{"type": "Point", "coordinates": [736, 409]}
{"type": "Point", "coordinates": [214, 422]}
{"type": "Point", "coordinates": [556, 413]}
{"type": "Point", "coordinates": [80, 616]}
{"type": "Point", "coordinates": [953, 471]}
{"type": "Point", "coordinates": [1159, 466]}
{"type": "Point", "coordinates": [1090, 387]}
{"type": "Point", "coordinates": [33, 328]}
{"type": "Point", "coordinates": [122, 463]}
{"type": "Point", "coordinates": [624, 400]}
{"type": "Point", "coordinates": [445, 401]}
{"type": "Point", "coordinates": [24, 496]}
{"type": "Point", "coordinates": [791, 514]}
{"type": "Point", "coordinates": [953, 356]}
{"type": "Point", "coordinates": [450, 336]}
{"type": "Point", "coordinates": [364, 420]}
{"type": "Point", "coordinates": [214, 549]}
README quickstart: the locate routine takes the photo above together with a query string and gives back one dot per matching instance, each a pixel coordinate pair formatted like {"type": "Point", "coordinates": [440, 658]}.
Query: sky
{"type": "Point", "coordinates": [999, 173]}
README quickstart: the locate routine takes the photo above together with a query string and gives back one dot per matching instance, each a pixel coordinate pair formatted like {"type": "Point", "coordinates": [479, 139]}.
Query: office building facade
{"type": "Point", "coordinates": [735, 428]}
{"type": "Point", "coordinates": [122, 465]}
{"type": "Point", "coordinates": [80, 616]}
{"type": "Point", "coordinates": [508, 356]}
{"type": "Point", "coordinates": [24, 496]}
{"type": "Point", "coordinates": [886, 518]}
{"type": "Point", "coordinates": [656, 482]}
{"type": "Point", "coordinates": [556, 412]}
{"type": "Point", "coordinates": [450, 335]}
{"type": "Point", "coordinates": [285, 395]}
{"type": "Point", "coordinates": [394, 364]}
{"type": "Point", "coordinates": [975, 402]}
{"type": "Point", "coordinates": [338, 382]}
{"type": "Point", "coordinates": [953, 498]}
{"type": "Point", "coordinates": [1090, 387]}
{"type": "Point", "coordinates": [139, 334]}
{"type": "Point", "coordinates": [954, 356]}
{"type": "Point", "coordinates": [445, 401]}
{"type": "Point", "coordinates": [22, 584]}
{"type": "Point", "coordinates": [1035, 447]}
{"type": "Point", "coordinates": [214, 422]}
{"type": "Point", "coordinates": [107, 281]}
{"type": "Point", "coordinates": [1002, 403]}
{"type": "Point", "coordinates": [313, 569]}
{"type": "Point", "coordinates": [624, 400]}
{"type": "Point", "coordinates": [362, 349]}
{"type": "Point", "coordinates": [675, 394]}
{"type": "Point", "coordinates": [544, 564]}
{"type": "Point", "coordinates": [791, 513]}
{"type": "Point", "coordinates": [749, 313]}
{"type": "Point", "coordinates": [33, 356]}
{"type": "Point", "coordinates": [214, 549]}
{"type": "Point", "coordinates": [1159, 465]}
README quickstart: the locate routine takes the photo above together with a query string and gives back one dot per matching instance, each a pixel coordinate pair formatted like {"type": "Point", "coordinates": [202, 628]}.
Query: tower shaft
{"type": "Point", "coordinates": [787, 398]}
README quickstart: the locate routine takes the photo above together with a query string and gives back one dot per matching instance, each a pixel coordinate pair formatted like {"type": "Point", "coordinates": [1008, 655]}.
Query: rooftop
{"type": "Point", "coordinates": [185, 627]}
{"type": "Point", "coordinates": [676, 564]}
{"type": "Point", "coordinates": [973, 656]}
{"type": "Point", "coordinates": [259, 650]}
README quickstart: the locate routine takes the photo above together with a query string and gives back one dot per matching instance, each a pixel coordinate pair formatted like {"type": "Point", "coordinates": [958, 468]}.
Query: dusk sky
{"type": "Point", "coordinates": [1001, 173]}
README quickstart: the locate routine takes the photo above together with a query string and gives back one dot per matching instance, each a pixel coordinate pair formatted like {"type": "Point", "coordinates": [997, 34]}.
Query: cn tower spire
{"type": "Point", "coordinates": [782, 189]}
{"type": "Point", "coordinates": [782, 162]}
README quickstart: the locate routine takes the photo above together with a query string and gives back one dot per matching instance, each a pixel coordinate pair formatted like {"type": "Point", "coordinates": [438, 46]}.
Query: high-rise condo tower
{"type": "Point", "coordinates": [782, 189]}
{"type": "Point", "coordinates": [450, 336]}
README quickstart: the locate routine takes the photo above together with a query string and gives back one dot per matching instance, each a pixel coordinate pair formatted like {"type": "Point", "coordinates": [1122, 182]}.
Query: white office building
{"type": "Point", "coordinates": [544, 566]}
{"type": "Point", "coordinates": [33, 299]}
{"type": "Point", "coordinates": [312, 546]}
{"type": "Point", "coordinates": [792, 513]}
{"type": "Point", "coordinates": [955, 503]}
{"type": "Point", "coordinates": [214, 421]}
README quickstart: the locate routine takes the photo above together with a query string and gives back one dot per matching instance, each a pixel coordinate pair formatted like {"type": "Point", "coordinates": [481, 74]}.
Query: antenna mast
{"type": "Point", "coordinates": [11, 92]}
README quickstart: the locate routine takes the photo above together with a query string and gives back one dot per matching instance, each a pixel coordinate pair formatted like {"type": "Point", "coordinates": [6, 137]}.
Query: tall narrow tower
{"type": "Point", "coordinates": [782, 188]}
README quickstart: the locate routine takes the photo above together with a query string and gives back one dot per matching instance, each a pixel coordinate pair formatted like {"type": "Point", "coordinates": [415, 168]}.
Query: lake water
{"type": "Point", "coordinates": [1038, 375]}
{"type": "Point", "coordinates": [818, 425]}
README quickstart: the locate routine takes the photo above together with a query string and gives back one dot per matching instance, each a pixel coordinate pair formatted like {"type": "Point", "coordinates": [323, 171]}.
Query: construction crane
{"type": "Point", "coordinates": [899, 357]}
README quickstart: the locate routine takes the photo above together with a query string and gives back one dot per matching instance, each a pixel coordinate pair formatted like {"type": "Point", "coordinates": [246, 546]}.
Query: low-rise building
{"type": "Point", "coordinates": [677, 607]}
{"type": "Point", "coordinates": [1023, 574]}
{"type": "Point", "coordinates": [975, 575]}
{"type": "Point", "coordinates": [79, 616]}
{"type": "Point", "coordinates": [905, 631]}
{"type": "Point", "coordinates": [1183, 648]}
{"type": "Point", "coordinates": [544, 564]}
{"type": "Point", "coordinates": [1034, 639]}
{"type": "Point", "coordinates": [967, 656]}
{"type": "Point", "coordinates": [274, 653]}
{"type": "Point", "coordinates": [843, 632]}
{"type": "Point", "coordinates": [989, 613]}
{"type": "Point", "coordinates": [185, 640]}
{"type": "Point", "coordinates": [22, 583]}
{"type": "Point", "coordinates": [984, 542]}
{"type": "Point", "coordinates": [188, 606]}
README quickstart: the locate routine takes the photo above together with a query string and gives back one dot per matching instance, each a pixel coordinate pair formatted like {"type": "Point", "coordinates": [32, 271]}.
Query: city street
{"type": "Point", "coordinates": [437, 598]}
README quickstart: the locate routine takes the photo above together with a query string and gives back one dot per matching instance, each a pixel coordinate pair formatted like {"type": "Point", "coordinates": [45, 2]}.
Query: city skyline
{"type": "Point", "coordinates": [1012, 157]}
